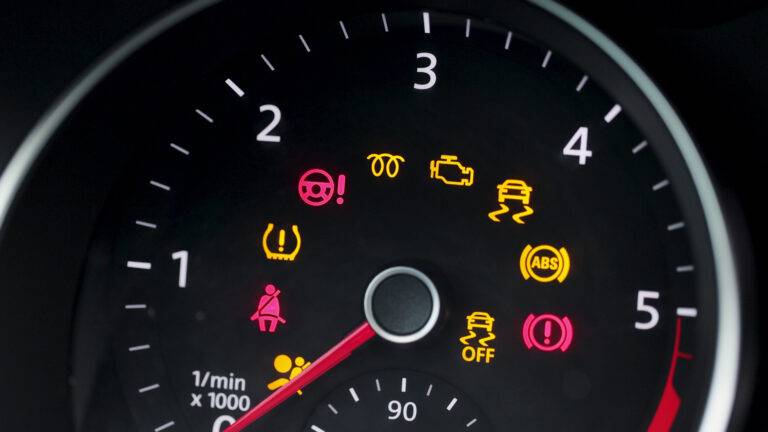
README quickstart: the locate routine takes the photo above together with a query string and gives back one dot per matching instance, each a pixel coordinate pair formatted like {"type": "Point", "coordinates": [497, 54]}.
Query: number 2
{"type": "Point", "coordinates": [265, 134]}
{"type": "Point", "coordinates": [429, 69]}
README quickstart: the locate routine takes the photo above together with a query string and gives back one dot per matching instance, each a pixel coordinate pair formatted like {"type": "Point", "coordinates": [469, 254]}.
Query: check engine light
{"type": "Point", "coordinates": [547, 332]}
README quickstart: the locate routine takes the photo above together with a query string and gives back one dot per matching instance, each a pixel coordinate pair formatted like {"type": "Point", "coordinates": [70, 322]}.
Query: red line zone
{"type": "Point", "coordinates": [669, 405]}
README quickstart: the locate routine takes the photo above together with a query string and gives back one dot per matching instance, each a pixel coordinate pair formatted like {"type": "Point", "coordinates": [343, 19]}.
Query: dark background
{"type": "Point", "coordinates": [709, 57]}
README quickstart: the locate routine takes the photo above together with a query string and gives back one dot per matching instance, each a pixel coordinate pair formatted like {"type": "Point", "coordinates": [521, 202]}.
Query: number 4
{"type": "Point", "coordinates": [582, 152]}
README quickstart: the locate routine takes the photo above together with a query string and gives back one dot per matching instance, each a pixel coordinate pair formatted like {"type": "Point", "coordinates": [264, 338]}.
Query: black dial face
{"type": "Point", "coordinates": [514, 240]}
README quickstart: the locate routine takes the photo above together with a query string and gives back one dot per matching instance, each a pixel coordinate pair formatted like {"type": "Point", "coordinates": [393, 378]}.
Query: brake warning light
{"type": "Point", "coordinates": [547, 332]}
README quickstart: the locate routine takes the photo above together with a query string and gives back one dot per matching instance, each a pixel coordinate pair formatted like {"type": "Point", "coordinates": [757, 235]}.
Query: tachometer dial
{"type": "Point", "coordinates": [514, 227]}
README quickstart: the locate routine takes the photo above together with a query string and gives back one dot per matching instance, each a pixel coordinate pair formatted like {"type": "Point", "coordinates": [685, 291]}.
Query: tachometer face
{"type": "Point", "coordinates": [537, 245]}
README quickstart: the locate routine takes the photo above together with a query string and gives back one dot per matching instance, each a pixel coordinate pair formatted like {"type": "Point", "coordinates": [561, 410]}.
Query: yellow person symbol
{"type": "Point", "coordinates": [385, 163]}
{"type": "Point", "coordinates": [544, 263]}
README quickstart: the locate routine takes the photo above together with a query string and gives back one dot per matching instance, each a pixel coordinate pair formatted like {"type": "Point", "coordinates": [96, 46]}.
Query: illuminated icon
{"type": "Point", "coordinates": [379, 166]}
{"type": "Point", "coordinates": [281, 254]}
{"type": "Point", "coordinates": [477, 350]}
{"type": "Point", "coordinates": [290, 368]}
{"type": "Point", "coordinates": [450, 171]}
{"type": "Point", "coordinates": [544, 263]}
{"type": "Point", "coordinates": [316, 187]}
{"type": "Point", "coordinates": [513, 190]}
{"type": "Point", "coordinates": [268, 311]}
{"type": "Point", "coordinates": [538, 332]}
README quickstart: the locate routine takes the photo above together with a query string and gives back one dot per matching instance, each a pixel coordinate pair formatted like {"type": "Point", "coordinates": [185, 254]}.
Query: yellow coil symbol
{"type": "Point", "coordinates": [379, 166]}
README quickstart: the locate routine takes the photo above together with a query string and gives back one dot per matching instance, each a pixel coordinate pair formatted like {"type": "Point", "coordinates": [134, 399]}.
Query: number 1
{"type": "Point", "coordinates": [183, 257]}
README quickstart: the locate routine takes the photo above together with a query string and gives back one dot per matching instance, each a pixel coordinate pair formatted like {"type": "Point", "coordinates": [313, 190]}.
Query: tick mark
{"type": "Point", "coordinates": [344, 29]}
{"type": "Point", "coordinates": [451, 404]}
{"type": "Point", "coordinates": [333, 410]}
{"type": "Point", "coordinates": [429, 390]}
{"type": "Point", "coordinates": [266, 61]}
{"type": "Point", "coordinates": [149, 388]}
{"type": "Point", "coordinates": [466, 28]}
{"type": "Point", "coordinates": [684, 268]}
{"type": "Point", "coordinates": [378, 385]}
{"type": "Point", "coordinates": [139, 265]}
{"type": "Point", "coordinates": [316, 428]}
{"type": "Point", "coordinates": [404, 385]}
{"type": "Point", "coordinates": [135, 306]}
{"type": "Point", "coordinates": [509, 39]}
{"type": "Point", "coordinates": [471, 422]}
{"type": "Point", "coordinates": [304, 42]}
{"type": "Point", "coordinates": [660, 185]}
{"type": "Point", "coordinates": [675, 226]}
{"type": "Point", "coordinates": [582, 83]}
{"type": "Point", "coordinates": [636, 149]}
{"type": "Point", "coordinates": [612, 113]}
{"type": "Point", "coordinates": [427, 27]}
{"type": "Point", "coordinates": [354, 394]}
{"type": "Point", "coordinates": [159, 185]}
{"type": "Point", "coordinates": [235, 88]}
{"type": "Point", "coordinates": [165, 426]}
{"type": "Point", "coordinates": [687, 312]}
{"type": "Point", "coordinates": [138, 348]}
{"type": "Point", "coordinates": [205, 116]}
{"type": "Point", "coordinates": [546, 59]}
{"type": "Point", "coordinates": [180, 149]}
{"type": "Point", "coordinates": [146, 224]}
{"type": "Point", "coordinates": [384, 21]}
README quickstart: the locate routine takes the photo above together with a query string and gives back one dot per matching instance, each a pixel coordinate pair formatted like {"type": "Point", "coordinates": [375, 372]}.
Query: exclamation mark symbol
{"type": "Point", "coordinates": [281, 243]}
{"type": "Point", "coordinates": [547, 331]}
{"type": "Point", "coordinates": [341, 188]}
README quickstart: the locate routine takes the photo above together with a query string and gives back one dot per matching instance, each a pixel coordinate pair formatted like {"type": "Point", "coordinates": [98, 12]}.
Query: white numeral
{"type": "Point", "coordinates": [265, 134]}
{"type": "Point", "coordinates": [582, 152]}
{"type": "Point", "coordinates": [397, 409]}
{"type": "Point", "coordinates": [183, 257]}
{"type": "Point", "coordinates": [650, 310]}
{"type": "Point", "coordinates": [428, 69]}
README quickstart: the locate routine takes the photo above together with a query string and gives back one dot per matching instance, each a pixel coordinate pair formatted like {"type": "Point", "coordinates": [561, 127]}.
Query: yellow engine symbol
{"type": "Point", "coordinates": [279, 251]}
{"type": "Point", "coordinates": [544, 263]}
{"type": "Point", "coordinates": [450, 171]}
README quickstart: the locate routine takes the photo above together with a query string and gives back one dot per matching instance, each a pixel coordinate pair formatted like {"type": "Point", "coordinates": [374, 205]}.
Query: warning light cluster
{"type": "Point", "coordinates": [545, 332]}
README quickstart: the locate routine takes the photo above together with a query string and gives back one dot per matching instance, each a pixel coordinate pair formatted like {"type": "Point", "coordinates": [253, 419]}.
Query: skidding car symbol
{"type": "Point", "coordinates": [451, 172]}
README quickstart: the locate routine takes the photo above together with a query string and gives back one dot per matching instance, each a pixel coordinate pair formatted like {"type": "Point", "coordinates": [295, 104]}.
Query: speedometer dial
{"type": "Point", "coordinates": [411, 219]}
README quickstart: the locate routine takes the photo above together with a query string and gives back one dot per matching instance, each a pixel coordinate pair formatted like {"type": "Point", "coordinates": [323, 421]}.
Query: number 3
{"type": "Point", "coordinates": [429, 70]}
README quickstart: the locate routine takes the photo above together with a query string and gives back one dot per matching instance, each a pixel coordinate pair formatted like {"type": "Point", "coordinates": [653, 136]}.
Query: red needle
{"type": "Point", "coordinates": [326, 362]}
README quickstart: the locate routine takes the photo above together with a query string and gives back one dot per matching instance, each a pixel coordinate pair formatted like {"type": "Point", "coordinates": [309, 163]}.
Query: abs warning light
{"type": "Point", "coordinates": [544, 263]}
{"type": "Point", "coordinates": [547, 332]}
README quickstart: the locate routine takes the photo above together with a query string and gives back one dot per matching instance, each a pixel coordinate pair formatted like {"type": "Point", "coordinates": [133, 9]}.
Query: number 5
{"type": "Point", "coordinates": [429, 70]}
{"type": "Point", "coordinates": [650, 310]}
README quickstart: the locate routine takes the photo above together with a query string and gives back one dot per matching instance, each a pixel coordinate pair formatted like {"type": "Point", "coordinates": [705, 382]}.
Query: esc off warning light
{"type": "Point", "coordinates": [476, 343]}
